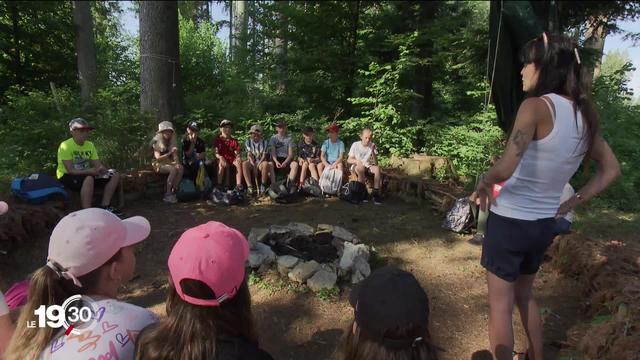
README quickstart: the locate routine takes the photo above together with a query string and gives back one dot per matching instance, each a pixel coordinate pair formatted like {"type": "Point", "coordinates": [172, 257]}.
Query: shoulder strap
{"type": "Point", "coordinates": [551, 105]}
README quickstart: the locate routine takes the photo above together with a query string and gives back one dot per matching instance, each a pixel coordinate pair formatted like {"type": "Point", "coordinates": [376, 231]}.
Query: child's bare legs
{"type": "Point", "coordinates": [238, 165]}
{"type": "Point", "coordinates": [313, 169]}
{"type": "Point", "coordinates": [304, 166]}
{"type": "Point", "coordinates": [247, 171]}
{"type": "Point", "coordinates": [293, 170]}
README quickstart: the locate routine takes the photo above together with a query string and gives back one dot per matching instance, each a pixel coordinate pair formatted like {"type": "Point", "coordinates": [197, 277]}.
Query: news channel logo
{"type": "Point", "coordinates": [76, 313]}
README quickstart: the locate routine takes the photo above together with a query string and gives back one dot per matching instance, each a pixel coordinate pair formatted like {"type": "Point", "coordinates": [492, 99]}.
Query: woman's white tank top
{"type": "Point", "coordinates": [533, 191]}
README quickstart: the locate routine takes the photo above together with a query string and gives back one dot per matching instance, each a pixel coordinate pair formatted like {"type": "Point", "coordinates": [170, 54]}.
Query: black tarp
{"type": "Point", "coordinates": [521, 21]}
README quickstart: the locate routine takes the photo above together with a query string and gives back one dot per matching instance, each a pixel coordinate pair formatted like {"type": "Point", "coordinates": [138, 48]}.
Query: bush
{"type": "Point", "coordinates": [620, 127]}
{"type": "Point", "coordinates": [469, 145]}
{"type": "Point", "coordinates": [31, 128]}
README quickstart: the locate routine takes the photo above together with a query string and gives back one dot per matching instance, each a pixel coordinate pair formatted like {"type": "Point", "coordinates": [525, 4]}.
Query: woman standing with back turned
{"type": "Point", "coordinates": [555, 128]}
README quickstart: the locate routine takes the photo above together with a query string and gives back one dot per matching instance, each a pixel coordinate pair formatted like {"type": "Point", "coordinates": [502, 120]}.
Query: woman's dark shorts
{"type": "Point", "coordinates": [514, 247]}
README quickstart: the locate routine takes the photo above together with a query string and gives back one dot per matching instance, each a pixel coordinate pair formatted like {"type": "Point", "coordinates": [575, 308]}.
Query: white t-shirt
{"type": "Point", "coordinates": [113, 337]}
{"type": "Point", "coordinates": [567, 193]}
{"type": "Point", "coordinates": [362, 153]}
{"type": "Point", "coordinates": [4, 308]}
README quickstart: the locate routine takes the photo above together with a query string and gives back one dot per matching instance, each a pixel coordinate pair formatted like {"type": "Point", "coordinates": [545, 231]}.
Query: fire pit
{"type": "Point", "coordinates": [315, 256]}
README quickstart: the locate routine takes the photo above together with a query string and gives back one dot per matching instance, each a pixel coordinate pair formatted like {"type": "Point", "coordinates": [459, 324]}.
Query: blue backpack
{"type": "Point", "coordinates": [38, 188]}
{"type": "Point", "coordinates": [187, 191]}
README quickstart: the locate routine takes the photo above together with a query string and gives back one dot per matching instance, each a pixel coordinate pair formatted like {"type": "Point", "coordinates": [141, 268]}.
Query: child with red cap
{"type": "Point", "coordinates": [227, 151]}
{"type": "Point", "coordinates": [332, 150]}
{"type": "Point", "coordinates": [91, 255]}
{"type": "Point", "coordinates": [208, 306]}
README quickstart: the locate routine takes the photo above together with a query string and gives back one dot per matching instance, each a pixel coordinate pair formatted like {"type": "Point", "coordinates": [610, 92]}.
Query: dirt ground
{"type": "Point", "coordinates": [295, 325]}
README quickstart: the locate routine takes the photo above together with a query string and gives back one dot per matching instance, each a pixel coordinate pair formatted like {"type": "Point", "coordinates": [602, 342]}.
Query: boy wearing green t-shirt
{"type": "Point", "coordinates": [79, 168]}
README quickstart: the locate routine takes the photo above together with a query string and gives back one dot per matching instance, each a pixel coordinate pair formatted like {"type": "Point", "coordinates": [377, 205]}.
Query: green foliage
{"type": "Point", "coordinates": [36, 45]}
{"type": "Point", "coordinates": [387, 107]}
{"type": "Point", "coordinates": [620, 127]}
{"type": "Point", "coordinates": [470, 145]}
{"type": "Point", "coordinates": [331, 294]}
{"type": "Point", "coordinates": [202, 58]}
{"type": "Point", "coordinates": [413, 71]}
{"type": "Point", "coordinates": [32, 128]}
{"type": "Point", "coordinates": [274, 285]}
{"type": "Point", "coordinates": [117, 56]}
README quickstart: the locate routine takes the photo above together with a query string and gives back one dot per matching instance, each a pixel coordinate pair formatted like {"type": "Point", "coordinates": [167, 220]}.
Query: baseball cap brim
{"type": "Point", "coordinates": [138, 229]}
{"type": "Point", "coordinates": [4, 207]}
{"type": "Point", "coordinates": [77, 127]}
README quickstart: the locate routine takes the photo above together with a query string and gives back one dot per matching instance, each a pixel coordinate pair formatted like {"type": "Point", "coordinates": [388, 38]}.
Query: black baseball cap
{"type": "Point", "coordinates": [281, 124]}
{"type": "Point", "coordinates": [307, 130]}
{"type": "Point", "coordinates": [388, 299]}
{"type": "Point", "coordinates": [193, 126]}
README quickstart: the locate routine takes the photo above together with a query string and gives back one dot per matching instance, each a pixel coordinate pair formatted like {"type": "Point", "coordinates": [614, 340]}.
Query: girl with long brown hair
{"type": "Point", "coordinates": [90, 253]}
{"type": "Point", "coordinates": [555, 128]}
{"type": "Point", "coordinates": [208, 306]}
{"type": "Point", "coordinates": [391, 319]}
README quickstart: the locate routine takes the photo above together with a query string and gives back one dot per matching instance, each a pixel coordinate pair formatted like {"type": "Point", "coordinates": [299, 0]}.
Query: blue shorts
{"type": "Point", "coordinates": [514, 247]}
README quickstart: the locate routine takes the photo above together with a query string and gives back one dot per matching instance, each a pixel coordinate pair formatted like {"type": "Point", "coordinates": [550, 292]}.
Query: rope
{"type": "Point", "coordinates": [169, 59]}
{"type": "Point", "coordinates": [495, 57]}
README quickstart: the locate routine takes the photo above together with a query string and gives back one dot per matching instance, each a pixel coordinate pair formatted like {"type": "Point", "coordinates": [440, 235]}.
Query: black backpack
{"type": "Point", "coordinates": [459, 218]}
{"type": "Point", "coordinates": [228, 198]}
{"type": "Point", "coordinates": [311, 187]}
{"type": "Point", "coordinates": [354, 192]}
{"type": "Point", "coordinates": [283, 194]}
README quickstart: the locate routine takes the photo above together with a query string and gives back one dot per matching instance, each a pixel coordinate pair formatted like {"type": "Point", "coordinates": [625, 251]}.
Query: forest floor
{"type": "Point", "coordinates": [296, 324]}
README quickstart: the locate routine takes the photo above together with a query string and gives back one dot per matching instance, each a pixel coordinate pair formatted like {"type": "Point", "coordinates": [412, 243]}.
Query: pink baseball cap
{"type": "Point", "coordinates": [85, 240]}
{"type": "Point", "coordinates": [214, 254]}
{"type": "Point", "coordinates": [4, 207]}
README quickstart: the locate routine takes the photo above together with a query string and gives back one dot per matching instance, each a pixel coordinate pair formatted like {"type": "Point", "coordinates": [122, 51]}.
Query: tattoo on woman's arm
{"type": "Point", "coordinates": [519, 139]}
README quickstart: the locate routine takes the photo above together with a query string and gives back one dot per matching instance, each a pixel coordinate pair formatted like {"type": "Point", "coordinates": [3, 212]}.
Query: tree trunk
{"type": "Point", "coordinates": [17, 62]}
{"type": "Point", "coordinates": [160, 77]}
{"type": "Point", "coordinates": [281, 43]}
{"type": "Point", "coordinates": [239, 30]}
{"type": "Point", "coordinates": [86, 52]}
{"type": "Point", "coordinates": [594, 43]}
{"type": "Point", "coordinates": [203, 13]}
{"type": "Point", "coordinates": [231, 30]}
{"type": "Point", "coordinates": [348, 90]}
{"type": "Point", "coordinates": [423, 79]}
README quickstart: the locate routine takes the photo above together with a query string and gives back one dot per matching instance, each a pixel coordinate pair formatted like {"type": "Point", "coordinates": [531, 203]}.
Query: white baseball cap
{"type": "Point", "coordinates": [85, 240]}
{"type": "Point", "coordinates": [4, 207]}
{"type": "Point", "coordinates": [255, 128]}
